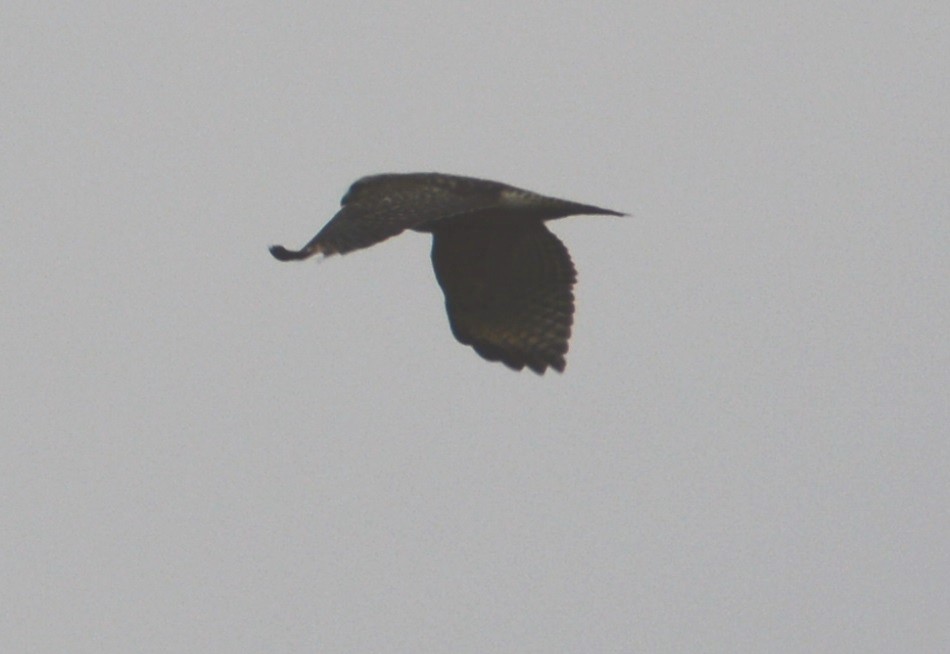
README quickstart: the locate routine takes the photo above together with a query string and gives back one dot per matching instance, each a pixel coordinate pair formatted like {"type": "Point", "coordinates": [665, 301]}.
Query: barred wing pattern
{"type": "Point", "coordinates": [507, 280]}
{"type": "Point", "coordinates": [508, 291]}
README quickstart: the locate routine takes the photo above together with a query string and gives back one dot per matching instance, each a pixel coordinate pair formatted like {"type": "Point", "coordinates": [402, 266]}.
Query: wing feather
{"type": "Point", "coordinates": [508, 290]}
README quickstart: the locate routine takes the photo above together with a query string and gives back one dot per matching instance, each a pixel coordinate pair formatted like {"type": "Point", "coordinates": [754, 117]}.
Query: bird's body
{"type": "Point", "coordinates": [507, 280]}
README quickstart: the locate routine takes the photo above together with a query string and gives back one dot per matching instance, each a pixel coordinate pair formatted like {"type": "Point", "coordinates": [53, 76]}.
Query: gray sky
{"type": "Point", "coordinates": [206, 450]}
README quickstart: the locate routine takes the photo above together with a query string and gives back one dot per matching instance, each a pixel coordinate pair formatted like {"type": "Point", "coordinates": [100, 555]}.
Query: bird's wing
{"type": "Point", "coordinates": [508, 290]}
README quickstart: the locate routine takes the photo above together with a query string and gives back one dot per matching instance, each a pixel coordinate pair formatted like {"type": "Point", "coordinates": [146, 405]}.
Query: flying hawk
{"type": "Point", "coordinates": [507, 279]}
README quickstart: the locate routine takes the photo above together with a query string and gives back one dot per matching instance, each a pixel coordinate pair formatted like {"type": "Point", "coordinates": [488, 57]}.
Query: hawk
{"type": "Point", "coordinates": [507, 280]}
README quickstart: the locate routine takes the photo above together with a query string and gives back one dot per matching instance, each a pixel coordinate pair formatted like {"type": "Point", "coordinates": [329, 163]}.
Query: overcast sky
{"type": "Point", "coordinates": [205, 450]}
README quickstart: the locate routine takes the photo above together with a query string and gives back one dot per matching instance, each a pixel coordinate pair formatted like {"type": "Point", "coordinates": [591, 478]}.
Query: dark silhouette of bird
{"type": "Point", "coordinates": [507, 280]}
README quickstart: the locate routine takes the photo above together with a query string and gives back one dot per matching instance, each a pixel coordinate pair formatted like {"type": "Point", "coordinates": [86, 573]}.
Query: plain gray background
{"type": "Point", "coordinates": [205, 450]}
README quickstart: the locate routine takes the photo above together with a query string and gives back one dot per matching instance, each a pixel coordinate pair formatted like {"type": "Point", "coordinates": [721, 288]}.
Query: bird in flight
{"type": "Point", "coordinates": [507, 280]}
